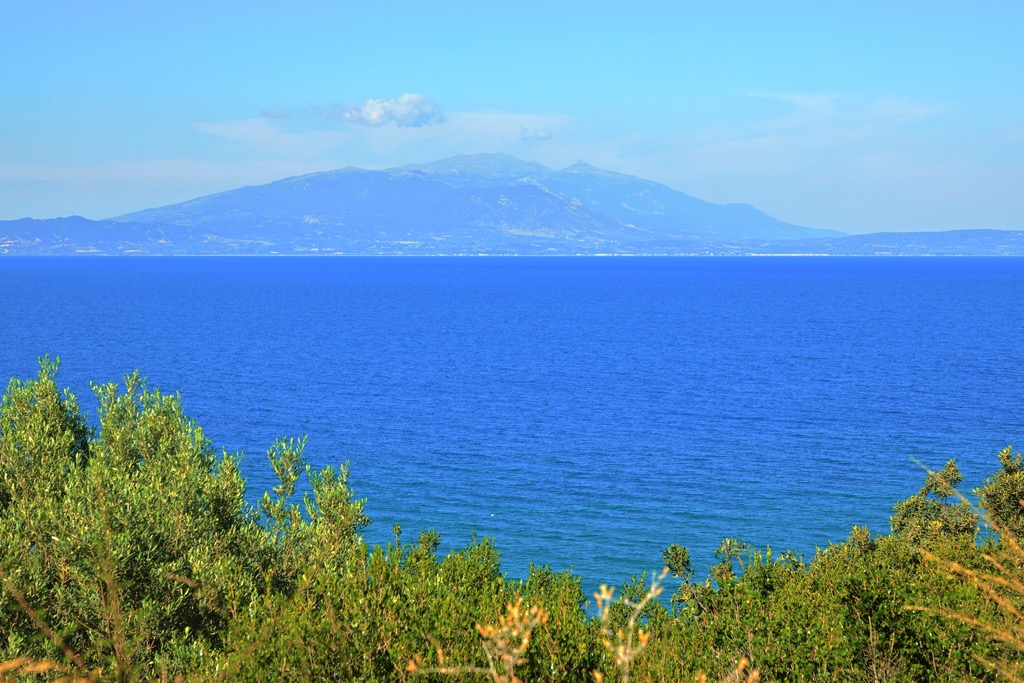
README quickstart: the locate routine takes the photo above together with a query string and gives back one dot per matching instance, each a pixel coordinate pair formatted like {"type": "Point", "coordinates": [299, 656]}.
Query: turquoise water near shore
{"type": "Point", "coordinates": [584, 412]}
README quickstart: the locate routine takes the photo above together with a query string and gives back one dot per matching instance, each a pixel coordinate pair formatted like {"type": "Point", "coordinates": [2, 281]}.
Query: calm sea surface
{"type": "Point", "coordinates": [583, 412]}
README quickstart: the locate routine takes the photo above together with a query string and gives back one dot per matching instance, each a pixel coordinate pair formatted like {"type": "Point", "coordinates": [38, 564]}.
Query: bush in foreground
{"type": "Point", "coordinates": [128, 551]}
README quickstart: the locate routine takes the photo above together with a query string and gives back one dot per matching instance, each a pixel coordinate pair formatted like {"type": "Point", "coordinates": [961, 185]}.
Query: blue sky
{"type": "Point", "coordinates": [856, 116]}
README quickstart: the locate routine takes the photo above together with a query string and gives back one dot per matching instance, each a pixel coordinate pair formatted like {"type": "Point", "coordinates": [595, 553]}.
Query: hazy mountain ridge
{"type": "Point", "coordinates": [946, 243]}
{"type": "Point", "coordinates": [480, 204]}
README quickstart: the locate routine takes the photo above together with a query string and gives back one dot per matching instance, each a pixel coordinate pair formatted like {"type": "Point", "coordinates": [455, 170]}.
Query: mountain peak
{"type": "Point", "coordinates": [582, 167]}
{"type": "Point", "coordinates": [488, 165]}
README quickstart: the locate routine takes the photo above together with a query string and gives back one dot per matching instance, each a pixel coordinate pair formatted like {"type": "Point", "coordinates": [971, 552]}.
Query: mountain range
{"type": "Point", "coordinates": [480, 204]}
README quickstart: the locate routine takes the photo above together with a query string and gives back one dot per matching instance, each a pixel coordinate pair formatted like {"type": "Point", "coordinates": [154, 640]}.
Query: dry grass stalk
{"type": "Point", "coordinates": [22, 666]}
{"type": "Point", "coordinates": [1004, 587]}
{"type": "Point", "coordinates": [739, 675]}
{"type": "Point", "coordinates": [17, 669]}
{"type": "Point", "coordinates": [505, 645]}
{"type": "Point", "coordinates": [626, 644]}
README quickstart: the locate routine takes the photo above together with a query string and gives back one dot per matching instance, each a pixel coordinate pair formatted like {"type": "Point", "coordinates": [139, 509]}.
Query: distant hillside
{"type": "Point", "coordinates": [948, 243]}
{"type": "Point", "coordinates": [481, 204]}
{"type": "Point", "coordinates": [489, 203]}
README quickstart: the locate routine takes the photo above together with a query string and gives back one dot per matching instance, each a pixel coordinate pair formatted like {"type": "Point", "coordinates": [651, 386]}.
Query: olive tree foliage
{"type": "Point", "coordinates": [128, 551]}
{"type": "Point", "coordinates": [1002, 495]}
{"type": "Point", "coordinates": [133, 539]}
{"type": "Point", "coordinates": [322, 534]}
{"type": "Point", "coordinates": [929, 514]}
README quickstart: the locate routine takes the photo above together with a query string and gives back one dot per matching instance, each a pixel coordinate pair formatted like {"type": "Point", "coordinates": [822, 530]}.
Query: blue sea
{"type": "Point", "coordinates": [583, 412]}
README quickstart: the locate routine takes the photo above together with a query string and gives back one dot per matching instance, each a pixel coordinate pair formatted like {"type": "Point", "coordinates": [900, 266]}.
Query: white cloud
{"type": "Point", "coordinates": [465, 132]}
{"type": "Point", "coordinates": [534, 134]}
{"type": "Point", "coordinates": [408, 111]}
{"type": "Point", "coordinates": [820, 109]}
{"type": "Point", "coordinates": [279, 113]}
{"type": "Point", "coordinates": [819, 134]}
{"type": "Point", "coordinates": [266, 136]}
{"type": "Point", "coordinates": [805, 105]}
{"type": "Point", "coordinates": [504, 125]}
{"type": "Point", "coordinates": [896, 110]}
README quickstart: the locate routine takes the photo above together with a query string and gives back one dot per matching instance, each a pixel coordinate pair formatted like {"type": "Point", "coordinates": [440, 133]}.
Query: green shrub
{"type": "Point", "coordinates": [133, 540]}
{"type": "Point", "coordinates": [128, 551]}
